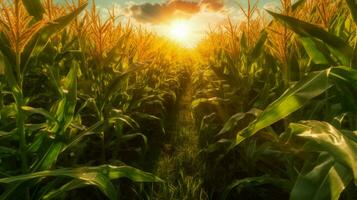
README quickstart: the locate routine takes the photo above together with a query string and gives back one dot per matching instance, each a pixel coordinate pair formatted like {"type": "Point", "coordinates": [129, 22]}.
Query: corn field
{"type": "Point", "coordinates": [95, 107]}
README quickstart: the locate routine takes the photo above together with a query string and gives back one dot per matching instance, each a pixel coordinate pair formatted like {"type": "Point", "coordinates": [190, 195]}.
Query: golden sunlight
{"type": "Point", "coordinates": [180, 30]}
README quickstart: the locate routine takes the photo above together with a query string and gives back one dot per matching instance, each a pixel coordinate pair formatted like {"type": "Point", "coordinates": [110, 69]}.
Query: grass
{"type": "Point", "coordinates": [91, 108]}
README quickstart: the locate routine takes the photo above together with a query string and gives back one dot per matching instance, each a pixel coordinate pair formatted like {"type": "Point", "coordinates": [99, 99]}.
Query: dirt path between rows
{"type": "Point", "coordinates": [178, 163]}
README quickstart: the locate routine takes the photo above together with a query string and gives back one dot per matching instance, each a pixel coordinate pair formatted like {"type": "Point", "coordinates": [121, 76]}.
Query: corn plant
{"type": "Point", "coordinates": [24, 35]}
{"type": "Point", "coordinates": [323, 50]}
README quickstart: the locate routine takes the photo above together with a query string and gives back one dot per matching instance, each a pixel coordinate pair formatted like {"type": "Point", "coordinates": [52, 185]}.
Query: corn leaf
{"type": "Point", "coordinates": [99, 176]}
{"type": "Point", "coordinates": [326, 180]}
{"type": "Point", "coordinates": [312, 49]}
{"type": "Point", "coordinates": [335, 168]}
{"type": "Point", "coordinates": [296, 97]}
{"type": "Point", "coordinates": [336, 45]}
{"type": "Point", "coordinates": [352, 4]}
{"type": "Point", "coordinates": [39, 41]}
{"type": "Point", "coordinates": [34, 8]}
{"type": "Point", "coordinates": [327, 138]}
{"type": "Point", "coordinates": [67, 106]}
{"type": "Point", "coordinates": [259, 46]}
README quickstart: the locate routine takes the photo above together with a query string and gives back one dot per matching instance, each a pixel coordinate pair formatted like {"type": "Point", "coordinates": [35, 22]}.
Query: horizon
{"type": "Point", "coordinates": [194, 17]}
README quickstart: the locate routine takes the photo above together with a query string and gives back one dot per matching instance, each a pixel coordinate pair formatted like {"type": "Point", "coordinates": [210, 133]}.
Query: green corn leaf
{"type": "Point", "coordinates": [326, 180]}
{"type": "Point", "coordinates": [336, 45]}
{"type": "Point", "coordinates": [334, 169]}
{"type": "Point", "coordinates": [64, 115]}
{"type": "Point", "coordinates": [244, 42]}
{"type": "Point", "coordinates": [66, 107]}
{"type": "Point", "coordinates": [39, 41]}
{"type": "Point", "coordinates": [6, 50]}
{"type": "Point", "coordinates": [259, 46]}
{"type": "Point", "coordinates": [314, 52]}
{"type": "Point", "coordinates": [296, 97]}
{"type": "Point", "coordinates": [8, 62]}
{"type": "Point", "coordinates": [327, 138]}
{"type": "Point", "coordinates": [34, 8]}
{"type": "Point", "coordinates": [99, 176]}
{"type": "Point", "coordinates": [345, 74]}
{"type": "Point", "coordinates": [50, 156]}
{"type": "Point", "coordinates": [352, 4]}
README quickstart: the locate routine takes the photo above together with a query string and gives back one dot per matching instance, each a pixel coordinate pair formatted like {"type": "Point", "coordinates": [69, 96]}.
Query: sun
{"type": "Point", "coordinates": [180, 30]}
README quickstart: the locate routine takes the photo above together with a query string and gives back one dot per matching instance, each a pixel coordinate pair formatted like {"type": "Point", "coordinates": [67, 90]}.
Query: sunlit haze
{"type": "Point", "coordinates": [183, 21]}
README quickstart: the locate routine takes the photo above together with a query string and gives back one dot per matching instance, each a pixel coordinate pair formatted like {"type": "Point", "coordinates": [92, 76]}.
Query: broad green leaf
{"type": "Point", "coordinates": [313, 51]}
{"type": "Point", "coordinates": [64, 115]}
{"type": "Point", "coordinates": [326, 180]}
{"type": "Point", "coordinates": [7, 61]}
{"type": "Point", "coordinates": [352, 4]}
{"type": "Point", "coordinates": [327, 138]}
{"type": "Point", "coordinates": [6, 50]}
{"type": "Point", "coordinates": [39, 41]}
{"type": "Point", "coordinates": [292, 100]}
{"type": "Point", "coordinates": [336, 45]}
{"type": "Point", "coordinates": [50, 156]}
{"type": "Point", "coordinates": [334, 169]}
{"type": "Point", "coordinates": [244, 42]}
{"type": "Point", "coordinates": [259, 46]}
{"type": "Point", "coordinates": [345, 74]}
{"type": "Point", "coordinates": [66, 107]}
{"type": "Point", "coordinates": [99, 176]}
{"type": "Point", "coordinates": [34, 8]}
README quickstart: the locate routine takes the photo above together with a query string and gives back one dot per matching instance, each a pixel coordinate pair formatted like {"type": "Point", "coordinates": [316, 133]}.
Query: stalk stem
{"type": "Point", "coordinates": [20, 119]}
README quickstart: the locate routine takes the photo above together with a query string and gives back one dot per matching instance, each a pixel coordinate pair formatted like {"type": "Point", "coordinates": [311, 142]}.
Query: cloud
{"type": "Point", "coordinates": [272, 6]}
{"type": "Point", "coordinates": [158, 13]}
{"type": "Point", "coordinates": [212, 5]}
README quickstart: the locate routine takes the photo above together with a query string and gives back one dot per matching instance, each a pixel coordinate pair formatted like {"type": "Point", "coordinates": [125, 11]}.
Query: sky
{"type": "Point", "coordinates": [186, 20]}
